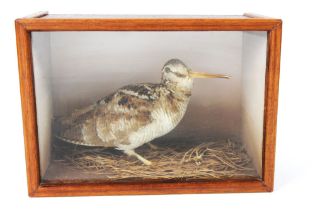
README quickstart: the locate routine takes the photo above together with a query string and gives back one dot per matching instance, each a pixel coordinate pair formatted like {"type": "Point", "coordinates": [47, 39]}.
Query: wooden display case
{"type": "Point", "coordinates": [247, 47]}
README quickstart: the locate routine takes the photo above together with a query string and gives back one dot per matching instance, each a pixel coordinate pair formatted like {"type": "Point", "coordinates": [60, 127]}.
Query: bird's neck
{"type": "Point", "coordinates": [179, 92]}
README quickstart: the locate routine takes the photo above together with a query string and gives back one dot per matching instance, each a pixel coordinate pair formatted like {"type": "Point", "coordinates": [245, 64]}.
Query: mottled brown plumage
{"type": "Point", "coordinates": [134, 114]}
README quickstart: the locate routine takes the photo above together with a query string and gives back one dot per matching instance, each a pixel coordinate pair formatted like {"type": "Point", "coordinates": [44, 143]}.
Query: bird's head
{"type": "Point", "coordinates": [177, 74]}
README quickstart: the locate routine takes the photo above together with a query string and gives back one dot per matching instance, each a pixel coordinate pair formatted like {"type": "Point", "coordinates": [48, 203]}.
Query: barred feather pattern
{"type": "Point", "coordinates": [127, 118]}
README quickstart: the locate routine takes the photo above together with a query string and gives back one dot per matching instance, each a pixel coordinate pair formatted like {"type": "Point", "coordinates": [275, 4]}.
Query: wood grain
{"type": "Point", "coordinates": [271, 104]}
{"type": "Point", "coordinates": [25, 26]}
{"type": "Point", "coordinates": [230, 186]}
{"type": "Point", "coordinates": [142, 24]}
{"type": "Point", "coordinates": [23, 40]}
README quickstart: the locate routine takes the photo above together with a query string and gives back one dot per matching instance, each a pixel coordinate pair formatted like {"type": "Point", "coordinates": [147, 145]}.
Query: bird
{"type": "Point", "coordinates": [134, 114]}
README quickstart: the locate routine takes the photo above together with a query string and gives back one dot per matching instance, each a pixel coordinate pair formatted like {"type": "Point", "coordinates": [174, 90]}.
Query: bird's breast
{"type": "Point", "coordinates": [163, 122]}
{"type": "Point", "coordinates": [166, 116]}
{"type": "Point", "coordinates": [166, 113]}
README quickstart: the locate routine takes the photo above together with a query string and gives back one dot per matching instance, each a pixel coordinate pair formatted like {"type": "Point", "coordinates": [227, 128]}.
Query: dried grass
{"type": "Point", "coordinates": [218, 159]}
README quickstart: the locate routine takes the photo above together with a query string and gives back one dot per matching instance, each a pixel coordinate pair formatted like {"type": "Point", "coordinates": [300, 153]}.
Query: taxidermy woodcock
{"type": "Point", "coordinates": [134, 114]}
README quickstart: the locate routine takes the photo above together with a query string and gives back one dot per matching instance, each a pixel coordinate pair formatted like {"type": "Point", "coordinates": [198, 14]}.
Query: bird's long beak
{"type": "Point", "coordinates": [195, 74]}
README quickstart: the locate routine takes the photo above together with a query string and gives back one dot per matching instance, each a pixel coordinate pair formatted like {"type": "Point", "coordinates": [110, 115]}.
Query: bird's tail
{"type": "Point", "coordinates": [73, 141]}
{"type": "Point", "coordinates": [68, 132]}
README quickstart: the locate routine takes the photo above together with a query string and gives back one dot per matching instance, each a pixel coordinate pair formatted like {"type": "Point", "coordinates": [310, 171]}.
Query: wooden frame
{"type": "Point", "coordinates": [248, 22]}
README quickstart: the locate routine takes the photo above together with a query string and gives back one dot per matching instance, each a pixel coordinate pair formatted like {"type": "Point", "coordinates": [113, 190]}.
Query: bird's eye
{"type": "Point", "coordinates": [167, 70]}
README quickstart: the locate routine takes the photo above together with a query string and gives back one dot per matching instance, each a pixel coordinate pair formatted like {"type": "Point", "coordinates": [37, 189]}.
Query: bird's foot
{"type": "Point", "coordinates": [146, 162]}
{"type": "Point", "coordinates": [142, 159]}
{"type": "Point", "coordinates": [152, 146]}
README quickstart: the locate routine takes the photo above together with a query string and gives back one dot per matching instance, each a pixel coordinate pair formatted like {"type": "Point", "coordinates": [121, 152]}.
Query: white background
{"type": "Point", "coordinates": [295, 167]}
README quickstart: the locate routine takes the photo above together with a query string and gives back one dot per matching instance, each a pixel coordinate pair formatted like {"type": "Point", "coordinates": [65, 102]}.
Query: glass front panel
{"type": "Point", "coordinates": [126, 106]}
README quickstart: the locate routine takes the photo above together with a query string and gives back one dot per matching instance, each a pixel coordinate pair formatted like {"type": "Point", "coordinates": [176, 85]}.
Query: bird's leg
{"type": "Point", "coordinates": [142, 159]}
{"type": "Point", "coordinates": [152, 146]}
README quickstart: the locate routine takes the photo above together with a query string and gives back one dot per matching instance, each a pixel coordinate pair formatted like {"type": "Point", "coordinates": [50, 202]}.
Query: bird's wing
{"type": "Point", "coordinates": [112, 119]}
{"type": "Point", "coordinates": [78, 127]}
{"type": "Point", "coordinates": [128, 111]}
